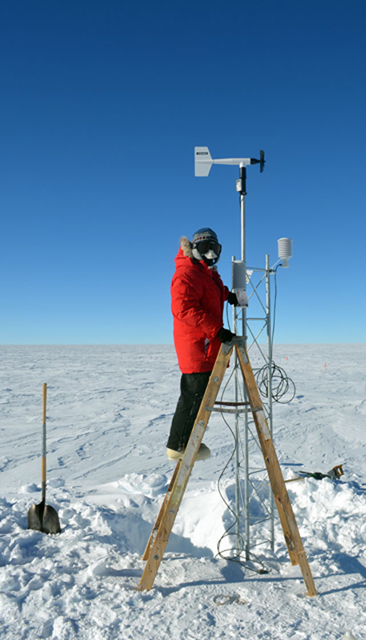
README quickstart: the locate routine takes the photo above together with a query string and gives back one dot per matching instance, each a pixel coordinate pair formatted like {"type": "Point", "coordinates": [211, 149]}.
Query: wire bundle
{"type": "Point", "coordinates": [237, 553]}
{"type": "Point", "coordinates": [282, 384]}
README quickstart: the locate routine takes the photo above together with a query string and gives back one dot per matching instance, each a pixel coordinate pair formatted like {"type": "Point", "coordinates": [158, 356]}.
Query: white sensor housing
{"type": "Point", "coordinates": [240, 279]}
{"type": "Point", "coordinates": [285, 250]}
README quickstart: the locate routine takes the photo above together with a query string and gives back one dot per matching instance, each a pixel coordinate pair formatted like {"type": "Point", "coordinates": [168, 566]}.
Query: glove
{"type": "Point", "coordinates": [225, 335]}
{"type": "Point", "coordinates": [232, 299]}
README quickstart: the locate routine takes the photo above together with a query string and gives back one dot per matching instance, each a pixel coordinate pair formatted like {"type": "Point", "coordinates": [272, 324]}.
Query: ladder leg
{"type": "Point", "coordinates": [160, 535]}
{"type": "Point", "coordinates": [286, 515]}
{"type": "Point", "coordinates": [307, 575]}
{"type": "Point", "coordinates": [162, 511]}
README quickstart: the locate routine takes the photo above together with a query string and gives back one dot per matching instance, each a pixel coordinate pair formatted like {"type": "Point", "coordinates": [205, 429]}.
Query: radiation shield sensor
{"type": "Point", "coordinates": [285, 251]}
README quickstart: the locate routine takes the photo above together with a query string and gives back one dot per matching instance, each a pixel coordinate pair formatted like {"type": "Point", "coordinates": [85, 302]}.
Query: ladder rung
{"type": "Point", "coordinates": [221, 407]}
{"type": "Point", "coordinates": [232, 404]}
{"type": "Point", "coordinates": [227, 410]}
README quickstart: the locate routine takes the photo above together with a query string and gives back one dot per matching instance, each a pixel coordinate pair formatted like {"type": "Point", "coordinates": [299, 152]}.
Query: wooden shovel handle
{"type": "Point", "coordinates": [44, 442]}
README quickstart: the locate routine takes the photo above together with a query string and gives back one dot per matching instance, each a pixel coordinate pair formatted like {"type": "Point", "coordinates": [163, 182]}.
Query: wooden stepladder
{"type": "Point", "coordinates": [163, 526]}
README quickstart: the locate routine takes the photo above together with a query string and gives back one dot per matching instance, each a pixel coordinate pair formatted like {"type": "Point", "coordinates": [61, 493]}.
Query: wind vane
{"type": "Point", "coordinates": [203, 161]}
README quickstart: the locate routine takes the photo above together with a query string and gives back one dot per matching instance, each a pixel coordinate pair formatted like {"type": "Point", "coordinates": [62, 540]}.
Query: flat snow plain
{"type": "Point", "coordinates": [108, 416]}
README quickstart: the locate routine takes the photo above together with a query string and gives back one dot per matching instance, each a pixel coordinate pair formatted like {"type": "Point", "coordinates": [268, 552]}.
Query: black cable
{"type": "Point", "coordinates": [238, 551]}
{"type": "Point", "coordinates": [275, 301]}
{"type": "Point", "coordinates": [227, 316]}
{"type": "Point", "coordinates": [282, 384]}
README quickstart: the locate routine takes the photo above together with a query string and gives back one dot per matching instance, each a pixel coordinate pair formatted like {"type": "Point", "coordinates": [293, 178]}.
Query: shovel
{"type": "Point", "coordinates": [42, 517]}
{"type": "Point", "coordinates": [334, 473]}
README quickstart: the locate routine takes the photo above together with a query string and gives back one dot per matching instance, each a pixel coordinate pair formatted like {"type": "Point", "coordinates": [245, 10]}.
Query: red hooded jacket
{"type": "Point", "coordinates": [198, 297]}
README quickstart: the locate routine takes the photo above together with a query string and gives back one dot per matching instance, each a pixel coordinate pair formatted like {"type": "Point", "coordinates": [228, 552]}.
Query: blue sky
{"type": "Point", "coordinates": [101, 106]}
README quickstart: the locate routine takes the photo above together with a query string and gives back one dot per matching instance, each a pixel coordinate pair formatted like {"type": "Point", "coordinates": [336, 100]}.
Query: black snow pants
{"type": "Point", "coordinates": [192, 389]}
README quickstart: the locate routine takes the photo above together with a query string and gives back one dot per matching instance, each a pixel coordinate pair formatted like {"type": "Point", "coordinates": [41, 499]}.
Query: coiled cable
{"type": "Point", "coordinates": [282, 385]}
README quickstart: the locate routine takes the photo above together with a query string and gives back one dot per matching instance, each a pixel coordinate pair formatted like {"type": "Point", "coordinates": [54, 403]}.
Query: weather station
{"type": "Point", "coordinates": [253, 512]}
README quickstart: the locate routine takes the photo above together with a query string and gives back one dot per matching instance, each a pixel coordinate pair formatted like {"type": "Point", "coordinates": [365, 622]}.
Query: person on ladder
{"type": "Point", "coordinates": [198, 297]}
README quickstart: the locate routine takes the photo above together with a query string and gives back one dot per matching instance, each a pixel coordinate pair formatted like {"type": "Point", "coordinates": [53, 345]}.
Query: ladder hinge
{"type": "Point", "coordinates": [243, 352]}
{"type": "Point", "coordinates": [226, 347]}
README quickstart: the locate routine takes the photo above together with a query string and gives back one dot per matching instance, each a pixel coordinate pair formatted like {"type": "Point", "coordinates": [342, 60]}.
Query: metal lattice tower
{"type": "Point", "coordinates": [254, 503]}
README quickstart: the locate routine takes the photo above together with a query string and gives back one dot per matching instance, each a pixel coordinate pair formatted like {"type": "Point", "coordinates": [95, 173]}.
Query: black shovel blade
{"type": "Point", "coordinates": [51, 522]}
{"type": "Point", "coordinates": [35, 516]}
{"type": "Point", "coordinates": [43, 518]}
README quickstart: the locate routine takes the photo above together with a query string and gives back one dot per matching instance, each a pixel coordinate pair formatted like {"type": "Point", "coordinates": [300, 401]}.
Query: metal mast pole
{"type": "Point", "coordinates": [237, 442]}
{"type": "Point", "coordinates": [269, 382]}
{"type": "Point", "coordinates": [241, 186]}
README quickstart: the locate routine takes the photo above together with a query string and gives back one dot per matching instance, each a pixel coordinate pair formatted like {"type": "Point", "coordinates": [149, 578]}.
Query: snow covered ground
{"type": "Point", "coordinates": [108, 416]}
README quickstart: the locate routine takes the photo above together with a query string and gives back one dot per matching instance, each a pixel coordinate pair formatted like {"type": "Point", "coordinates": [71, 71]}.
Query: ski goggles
{"type": "Point", "coordinates": [204, 246]}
